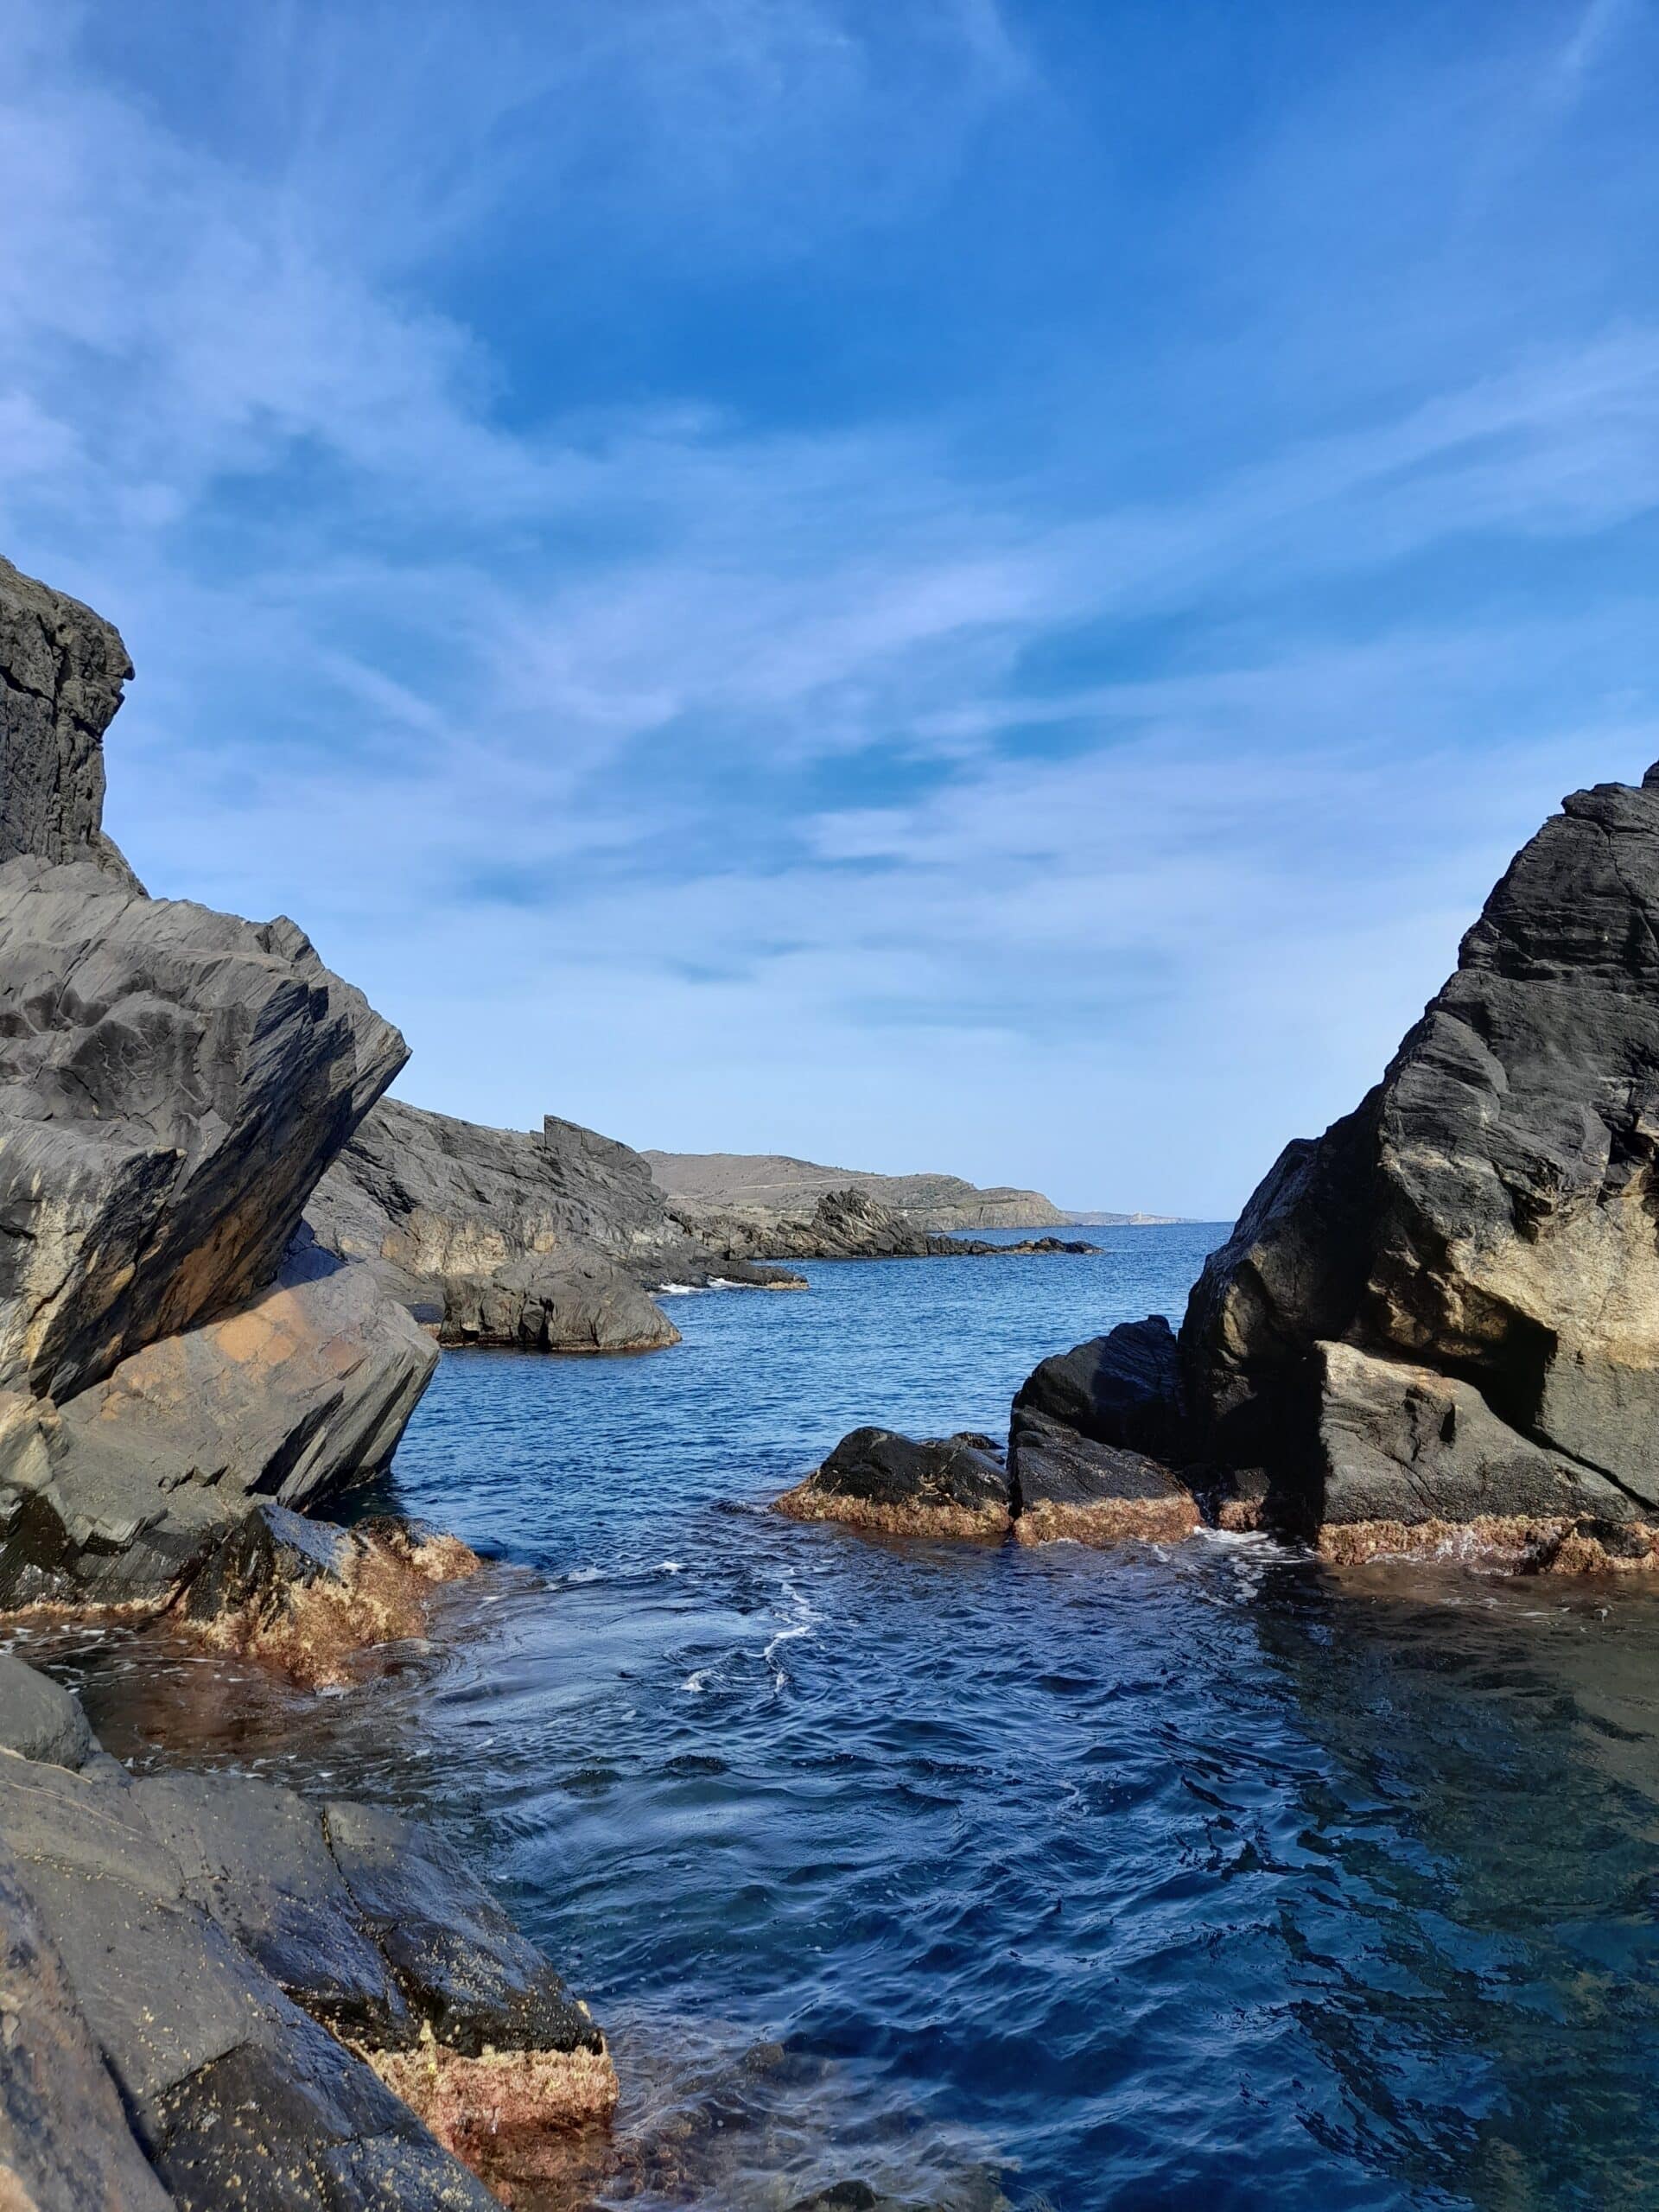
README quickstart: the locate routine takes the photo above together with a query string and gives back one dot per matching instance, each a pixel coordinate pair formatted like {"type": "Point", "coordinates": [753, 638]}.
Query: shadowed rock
{"type": "Point", "coordinates": [1119, 1389]}
{"type": "Point", "coordinates": [539, 1241]}
{"type": "Point", "coordinates": [875, 1478]}
{"type": "Point", "coordinates": [172, 1945]}
{"type": "Point", "coordinates": [61, 671]}
{"type": "Point", "coordinates": [1068, 1486]}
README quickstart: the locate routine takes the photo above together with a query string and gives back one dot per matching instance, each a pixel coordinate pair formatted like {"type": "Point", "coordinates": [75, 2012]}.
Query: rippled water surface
{"type": "Point", "coordinates": [1051, 1878]}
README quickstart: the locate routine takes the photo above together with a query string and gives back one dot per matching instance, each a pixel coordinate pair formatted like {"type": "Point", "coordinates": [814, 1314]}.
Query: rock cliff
{"type": "Point", "coordinates": [1438, 1324]}
{"type": "Point", "coordinates": [846, 1225]}
{"type": "Point", "coordinates": [772, 1185]}
{"type": "Point", "coordinates": [544, 1240]}
{"type": "Point", "coordinates": [172, 1083]}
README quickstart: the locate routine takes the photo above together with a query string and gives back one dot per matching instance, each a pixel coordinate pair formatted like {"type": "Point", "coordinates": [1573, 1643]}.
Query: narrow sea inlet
{"type": "Point", "coordinates": [982, 1875]}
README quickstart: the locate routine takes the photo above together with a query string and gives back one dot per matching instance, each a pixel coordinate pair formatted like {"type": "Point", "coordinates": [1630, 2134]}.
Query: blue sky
{"type": "Point", "coordinates": [981, 584]}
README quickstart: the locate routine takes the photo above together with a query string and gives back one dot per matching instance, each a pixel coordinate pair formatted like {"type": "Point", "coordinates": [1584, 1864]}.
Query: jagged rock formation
{"type": "Point", "coordinates": [61, 671]}
{"type": "Point", "coordinates": [211, 1983]}
{"type": "Point", "coordinates": [541, 1240]}
{"type": "Point", "coordinates": [771, 1184]}
{"type": "Point", "coordinates": [173, 1082]}
{"type": "Point", "coordinates": [846, 1225]}
{"type": "Point", "coordinates": [1439, 1322]}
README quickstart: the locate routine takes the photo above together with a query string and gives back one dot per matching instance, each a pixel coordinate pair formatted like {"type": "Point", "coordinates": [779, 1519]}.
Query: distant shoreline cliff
{"type": "Point", "coordinates": [774, 1183]}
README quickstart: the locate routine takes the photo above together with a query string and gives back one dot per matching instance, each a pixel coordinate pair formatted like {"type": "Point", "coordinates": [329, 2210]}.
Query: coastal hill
{"type": "Point", "coordinates": [773, 1183]}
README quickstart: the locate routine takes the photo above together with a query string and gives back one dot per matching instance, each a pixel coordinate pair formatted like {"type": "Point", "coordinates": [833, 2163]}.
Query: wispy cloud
{"type": "Point", "coordinates": [628, 746]}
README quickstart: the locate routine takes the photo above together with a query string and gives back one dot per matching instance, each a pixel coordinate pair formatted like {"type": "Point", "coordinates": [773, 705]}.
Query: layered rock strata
{"type": "Point", "coordinates": [172, 1083]}
{"type": "Point", "coordinates": [845, 1224]}
{"type": "Point", "coordinates": [1436, 1329]}
{"type": "Point", "coordinates": [216, 1992]}
{"type": "Point", "coordinates": [772, 1184]}
{"type": "Point", "coordinates": [544, 1240]}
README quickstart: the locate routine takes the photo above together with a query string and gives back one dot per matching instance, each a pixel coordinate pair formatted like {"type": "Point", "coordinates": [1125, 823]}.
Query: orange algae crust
{"type": "Point", "coordinates": [311, 1631]}
{"type": "Point", "coordinates": [1525, 1544]}
{"type": "Point", "coordinates": [807, 1501]}
{"type": "Point", "coordinates": [1111, 1521]}
{"type": "Point", "coordinates": [504, 2112]}
{"type": "Point", "coordinates": [1239, 1517]}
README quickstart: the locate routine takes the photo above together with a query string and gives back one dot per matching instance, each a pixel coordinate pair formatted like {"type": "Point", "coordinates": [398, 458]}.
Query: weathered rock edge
{"type": "Point", "coordinates": [219, 1994]}
{"type": "Point", "coordinates": [1434, 1330]}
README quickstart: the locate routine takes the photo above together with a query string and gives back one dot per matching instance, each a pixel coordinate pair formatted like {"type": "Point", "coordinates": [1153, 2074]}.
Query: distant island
{"type": "Point", "coordinates": [772, 1182]}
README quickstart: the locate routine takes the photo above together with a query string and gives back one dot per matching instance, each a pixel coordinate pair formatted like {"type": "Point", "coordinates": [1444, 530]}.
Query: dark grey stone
{"type": "Point", "coordinates": [459, 1960]}
{"type": "Point", "coordinates": [39, 1718]}
{"type": "Point", "coordinates": [1122, 1389]}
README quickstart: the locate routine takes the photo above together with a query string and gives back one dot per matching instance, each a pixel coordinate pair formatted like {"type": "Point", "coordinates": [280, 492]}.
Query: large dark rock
{"type": "Point", "coordinates": [177, 1946]}
{"type": "Point", "coordinates": [1486, 1215]}
{"type": "Point", "coordinates": [876, 1478]}
{"type": "Point", "coordinates": [460, 1962]}
{"type": "Point", "coordinates": [39, 1718]}
{"type": "Point", "coordinates": [61, 671]}
{"type": "Point", "coordinates": [1067, 1486]}
{"type": "Point", "coordinates": [1120, 1389]}
{"type": "Point", "coordinates": [1443, 1315]}
{"type": "Point", "coordinates": [173, 1082]}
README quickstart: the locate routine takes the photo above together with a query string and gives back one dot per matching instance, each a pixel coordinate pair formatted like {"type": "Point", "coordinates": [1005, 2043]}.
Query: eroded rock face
{"type": "Point", "coordinates": [207, 1978]}
{"type": "Point", "coordinates": [61, 671]}
{"type": "Point", "coordinates": [295, 1396]}
{"type": "Point", "coordinates": [519, 1239]}
{"type": "Point", "coordinates": [876, 1478]}
{"type": "Point", "coordinates": [1487, 1214]}
{"type": "Point", "coordinates": [173, 1082]}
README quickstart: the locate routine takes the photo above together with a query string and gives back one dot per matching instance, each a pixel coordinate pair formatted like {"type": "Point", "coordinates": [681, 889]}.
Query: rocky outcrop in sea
{"type": "Point", "coordinates": [775, 1186]}
{"type": "Point", "coordinates": [846, 1224]}
{"type": "Point", "coordinates": [1435, 1330]}
{"type": "Point", "coordinates": [546, 1240]}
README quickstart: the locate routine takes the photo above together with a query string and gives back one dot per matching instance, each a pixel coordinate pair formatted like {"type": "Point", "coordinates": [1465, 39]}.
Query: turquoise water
{"type": "Point", "coordinates": [1050, 1878]}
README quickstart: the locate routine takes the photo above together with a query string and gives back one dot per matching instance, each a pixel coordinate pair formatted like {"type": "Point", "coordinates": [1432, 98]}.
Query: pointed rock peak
{"type": "Point", "coordinates": [1650, 781]}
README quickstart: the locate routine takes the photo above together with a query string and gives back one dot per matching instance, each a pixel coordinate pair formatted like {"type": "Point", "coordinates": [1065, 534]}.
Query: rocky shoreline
{"type": "Point", "coordinates": [1434, 1330]}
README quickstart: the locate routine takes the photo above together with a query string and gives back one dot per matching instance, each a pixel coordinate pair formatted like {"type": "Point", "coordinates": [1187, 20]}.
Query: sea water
{"type": "Point", "coordinates": [983, 1876]}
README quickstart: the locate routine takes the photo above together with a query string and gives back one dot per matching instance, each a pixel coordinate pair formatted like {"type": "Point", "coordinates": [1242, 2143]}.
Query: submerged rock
{"type": "Point", "coordinates": [876, 1478]}
{"type": "Point", "coordinates": [307, 1597]}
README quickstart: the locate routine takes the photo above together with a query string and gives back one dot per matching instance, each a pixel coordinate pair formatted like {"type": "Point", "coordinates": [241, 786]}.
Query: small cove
{"type": "Point", "coordinates": [1053, 1878]}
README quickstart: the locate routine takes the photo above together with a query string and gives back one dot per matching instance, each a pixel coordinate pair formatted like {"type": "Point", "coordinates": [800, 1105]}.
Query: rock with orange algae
{"type": "Point", "coordinates": [878, 1479]}
{"type": "Point", "coordinates": [123, 1492]}
{"type": "Point", "coordinates": [1067, 1486]}
{"type": "Point", "coordinates": [502, 2113]}
{"type": "Point", "coordinates": [307, 1597]}
{"type": "Point", "coordinates": [1515, 1542]}
{"type": "Point", "coordinates": [236, 2097]}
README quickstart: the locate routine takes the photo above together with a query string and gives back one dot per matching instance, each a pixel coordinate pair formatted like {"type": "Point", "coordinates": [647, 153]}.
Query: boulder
{"type": "Point", "coordinates": [1122, 1389]}
{"type": "Point", "coordinates": [1067, 1486]}
{"type": "Point", "coordinates": [1443, 1315]}
{"type": "Point", "coordinates": [298, 1395]}
{"type": "Point", "coordinates": [61, 671]}
{"type": "Point", "coordinates": [534, 1241]}
{"type": "Point", "coordinates": [39, 1718]}
{"type": "Point", "coordinates": [876, 1478]}
{"type": "Point", "coordinates": [65, 2145]}
{"type": "Point", "coordinates": [210, 1981]}
{"type": "Point", "coordinates": [1485, 1216]}
{"type": "Point", "coordinates": [173, 1082]}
